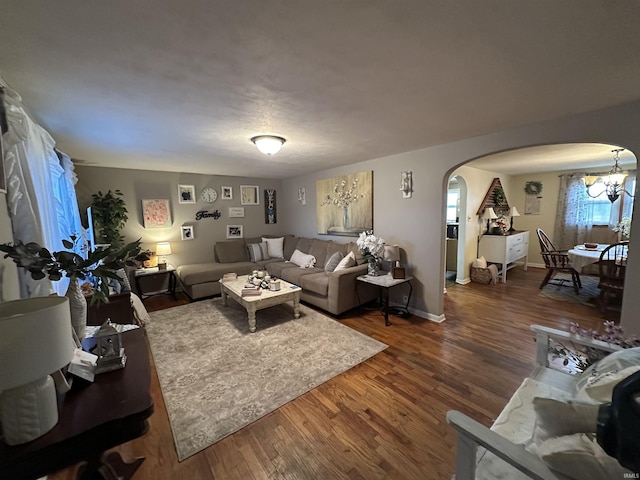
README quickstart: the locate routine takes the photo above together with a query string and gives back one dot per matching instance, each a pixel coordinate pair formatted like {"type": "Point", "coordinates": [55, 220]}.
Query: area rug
{"type": "Point", "coordinates": [588, 293]}
{"type": "Point", "coordinates": [216, 377]}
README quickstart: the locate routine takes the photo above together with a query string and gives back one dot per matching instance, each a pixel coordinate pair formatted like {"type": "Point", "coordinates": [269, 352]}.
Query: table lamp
{"type": "Point", "coordinates": [392, 254]}
{"type": "Point", "coordinates": [514, 213]}
{"type": "Point", "coordinates": [162, 249]}
{"type": "Point", "coordinates": [35, 340]}
{"type": "Point", "coordinates": [489, 214]}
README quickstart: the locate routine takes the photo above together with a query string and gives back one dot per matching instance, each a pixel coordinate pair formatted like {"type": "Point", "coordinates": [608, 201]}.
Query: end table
{"type": "Point", "coordinates": [156, 272]}
{"type": "Point", "coordinates": [384, 283]}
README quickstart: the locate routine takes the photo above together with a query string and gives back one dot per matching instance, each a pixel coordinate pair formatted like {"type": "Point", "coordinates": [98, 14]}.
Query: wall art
{"type": "Point", "coordinates": [236, 212]}
{"type": "Point", "coordinates": [235, 231]}
{"type": "Point", "coordinates": [206, 214]}
{"type": "Point", "coordinates": [186, 194]}
{"type": "Point", "coordinates": [270, 206]}
{"type": "Point", "coordinates": [226, 193]}
{"type": "Point", "coordinates": [344, 205]}
{"type": "Point", "coordinates": [187, 232]}
{"type": "Point", "coordinates": [302, 195]}
{"type": "Point", "coordinates": [249, 195]}
{"type": "Point", "coordinates": [156, 213]}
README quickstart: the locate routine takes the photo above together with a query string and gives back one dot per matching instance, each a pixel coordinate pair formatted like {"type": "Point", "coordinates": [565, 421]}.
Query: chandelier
{"type": "Point", "coordinates": [613, 181]}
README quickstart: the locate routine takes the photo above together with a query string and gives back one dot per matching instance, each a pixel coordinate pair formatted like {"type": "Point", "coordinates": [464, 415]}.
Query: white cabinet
{"type": "Point", "coordinates": [505, 250]}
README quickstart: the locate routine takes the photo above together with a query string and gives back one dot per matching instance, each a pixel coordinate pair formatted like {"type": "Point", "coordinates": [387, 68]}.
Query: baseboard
{"type": "Point", "coordinates": [422, 314]}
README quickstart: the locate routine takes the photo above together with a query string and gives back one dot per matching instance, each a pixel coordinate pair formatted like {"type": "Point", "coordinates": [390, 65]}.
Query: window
{"type": "Point", "coordinates": [453, 204]}
{"type": "Point", "coordinates": [600, 210]}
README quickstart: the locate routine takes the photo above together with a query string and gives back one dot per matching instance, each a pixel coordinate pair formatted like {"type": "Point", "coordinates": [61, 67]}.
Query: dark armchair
{"type": "Point", "coordinates": [556, 261]}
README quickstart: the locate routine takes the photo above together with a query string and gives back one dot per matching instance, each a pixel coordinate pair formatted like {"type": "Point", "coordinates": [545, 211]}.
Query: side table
{"type": "Point", "coordinates": [384, 283]}
{"type": "Point", "coordinates": [156, 272]}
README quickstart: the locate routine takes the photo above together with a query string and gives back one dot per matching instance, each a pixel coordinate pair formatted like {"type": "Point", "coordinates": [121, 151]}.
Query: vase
{"type": "Point", "coordinates": [78, 307]}
{"type": "Point", "coordinates": [345, 218]}
{"type": "Point", "coordinates": [373, 269]}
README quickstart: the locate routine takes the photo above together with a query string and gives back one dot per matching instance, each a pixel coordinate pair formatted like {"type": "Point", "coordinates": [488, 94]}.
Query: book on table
{"type": "Point", "coordinates": [228, 277]}
{"type": "Point", "coordinates": [250, 290]}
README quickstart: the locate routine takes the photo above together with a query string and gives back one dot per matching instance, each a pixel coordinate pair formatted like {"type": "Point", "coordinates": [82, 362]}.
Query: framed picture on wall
{"type": "Point", "coordinates": [186, 194]}
{"type": "Point", "coordinates": [156, 213]}
{"type": "Point", "coordinates": [187, 232]}
{"type": "Point", "coordinates": [227, 193]}
{"type": "Point", "coordinates": [235, 231]}
{"type": "Point", "coordinates": [236, 212]}
{"type": "Point", "coordinates": [249, 195]}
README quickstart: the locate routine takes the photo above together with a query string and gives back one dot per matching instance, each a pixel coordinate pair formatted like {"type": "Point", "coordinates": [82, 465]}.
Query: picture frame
{"type": "Point", "coordinates": [187, 232]}
{"type": "Point", "coordinates": [186, 194]}
{"type": "Point", "coordinates": [249, 195]}
{"type": "Point", "coordinates": [235, 231]}
{"type": "Point", "coordinates": [302, 195]}
{"type": "Point", "coordinates": [156, 213]}
{"type": "Point", "coordinates": [236, 212]}
{"type": "Point", "coordinates": [344, 204]}
{"type": "Point", "coordinates": [226, 193]}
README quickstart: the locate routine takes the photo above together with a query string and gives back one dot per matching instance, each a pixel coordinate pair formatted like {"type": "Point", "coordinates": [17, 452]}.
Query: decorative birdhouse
{"type": "Point", "coordinates": [109, 348]}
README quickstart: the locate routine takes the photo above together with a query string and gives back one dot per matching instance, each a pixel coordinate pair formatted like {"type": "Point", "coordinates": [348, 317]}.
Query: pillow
{"type": "Point", "coordinates": [333, 262]}
{"type": "Point", "coordinates": [258, 251]}
{"type": "Point", "coordinates": [479, 263]}
{"type": "Point", "coordinates": [579, 456]}
{"type": "Point", "coordinates": [600, 378]}
{"type": "Point", "coordinates": [302, 259]}
{"type": "Point", "coordinates": [599, 388]}
{"type": "Point", "coordinates": [275, 247]}
{"type": "Point", "coordinates": [555, 418]}
{"type": "Point", "coordinates": [346, 262]}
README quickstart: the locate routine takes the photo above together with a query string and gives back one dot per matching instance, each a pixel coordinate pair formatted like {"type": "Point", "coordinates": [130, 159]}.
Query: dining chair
{"type": "Point", "coordinates": [556, 261]}
{"type": "Point", "coordinates": [612, 266]}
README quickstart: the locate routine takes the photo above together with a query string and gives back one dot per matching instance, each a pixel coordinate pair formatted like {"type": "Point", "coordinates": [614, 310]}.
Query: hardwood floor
{"type": "Point", "coordinates": [384, 418]}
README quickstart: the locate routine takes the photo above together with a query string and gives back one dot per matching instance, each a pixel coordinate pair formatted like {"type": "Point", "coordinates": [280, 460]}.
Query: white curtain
{"type": "Point", "coordinates": [572, 218]}
{"type": "Point", "coordinates": [40, 190]}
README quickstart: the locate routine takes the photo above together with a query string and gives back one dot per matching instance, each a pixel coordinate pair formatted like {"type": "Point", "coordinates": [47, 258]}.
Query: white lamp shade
{"type": "Point", "coordinates": [515, 212]}
{"type": "Point", "coordinates": [490, 214]}
{"type": "Point", "coordinates": [391, 253]}
{"type": "Point", "coordinates": [268, 144]}
{"type": "Point", "coordinates": [163, 248]}
{"type": "Point", "coordinates": [35, 339]}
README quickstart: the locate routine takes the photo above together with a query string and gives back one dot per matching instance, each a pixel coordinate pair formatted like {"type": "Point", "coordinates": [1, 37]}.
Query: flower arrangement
{"type": "Point", "coordinates": [623, 227]}
{"type": "Point", "coordinates": [582, 358]}
{"type": "Point", "coordinates": [343, 196]}
{"type": "Point", "coordinates": [370, 245]}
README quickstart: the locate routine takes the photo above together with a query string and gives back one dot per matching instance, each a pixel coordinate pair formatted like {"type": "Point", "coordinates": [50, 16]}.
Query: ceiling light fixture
{"type": "Point", "coordinates": [613, 181]}
{"type": "Point", "coordinates": [268, 144]}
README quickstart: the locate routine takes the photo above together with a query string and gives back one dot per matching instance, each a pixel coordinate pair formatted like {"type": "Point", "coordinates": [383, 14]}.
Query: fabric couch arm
{"type": "Point", "coordinates": [342, 286]}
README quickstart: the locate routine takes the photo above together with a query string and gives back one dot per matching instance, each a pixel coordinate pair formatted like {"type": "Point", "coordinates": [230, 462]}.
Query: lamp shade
{"type": "Point", "coordinates": [163, 248]}
{"type": "Point", "coordinates": [35, 339]}
{"type": "Point", "coordinates": [490, 214]}
{"type": "Point", "coordinates": [268, 144]}
{"type": "Point", "coordinates": [391, 253]}
{"type": "Point", "coordinates": [515, 212]}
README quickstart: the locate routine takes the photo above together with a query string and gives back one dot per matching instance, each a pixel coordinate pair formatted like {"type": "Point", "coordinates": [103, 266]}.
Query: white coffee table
{"type": "Point", "coordinates": [287, 293]}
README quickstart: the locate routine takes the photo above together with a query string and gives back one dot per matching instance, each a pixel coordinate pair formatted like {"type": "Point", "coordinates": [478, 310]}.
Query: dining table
{"type": "Point", "coordinates": [582, 256]}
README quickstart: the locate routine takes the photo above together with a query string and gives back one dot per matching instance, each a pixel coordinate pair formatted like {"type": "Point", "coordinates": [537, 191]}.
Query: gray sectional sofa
{"type": "Point", "coordinates": [334, 292]}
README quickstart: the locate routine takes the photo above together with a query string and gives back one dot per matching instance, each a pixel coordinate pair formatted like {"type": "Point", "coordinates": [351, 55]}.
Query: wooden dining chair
{"type": "Point", "coordinates": [556, 261]}
{"type": "Point", "coordinates": [612, 267]}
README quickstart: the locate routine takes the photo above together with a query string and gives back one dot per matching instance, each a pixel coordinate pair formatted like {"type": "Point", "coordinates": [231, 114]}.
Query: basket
{"type": "Point", "coordinates": [480, 275]}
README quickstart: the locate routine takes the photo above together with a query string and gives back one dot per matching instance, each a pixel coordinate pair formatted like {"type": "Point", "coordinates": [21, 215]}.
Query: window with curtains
{"type": "Point", "coordinates": [600, 210]}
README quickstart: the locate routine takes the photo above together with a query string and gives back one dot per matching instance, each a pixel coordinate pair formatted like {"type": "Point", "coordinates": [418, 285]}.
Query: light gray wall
{"type": "Point", "coordinates": [137, 185]}
{"type": "Point", "coordinates": [9, 289]}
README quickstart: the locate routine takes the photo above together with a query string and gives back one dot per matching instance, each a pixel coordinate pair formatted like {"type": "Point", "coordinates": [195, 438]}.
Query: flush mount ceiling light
{"type": "Point", "coordinates": [268, 144]}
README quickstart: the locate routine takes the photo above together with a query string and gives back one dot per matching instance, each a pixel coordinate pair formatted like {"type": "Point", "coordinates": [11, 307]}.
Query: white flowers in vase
{"type": "Point", "coordinates": [623, 227]}
{"type": "Point", "coordinates": [371, 246]}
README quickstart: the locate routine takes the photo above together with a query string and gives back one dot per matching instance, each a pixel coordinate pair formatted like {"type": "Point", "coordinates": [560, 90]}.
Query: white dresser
{"type": "Point", "coordinates": [505, 250]}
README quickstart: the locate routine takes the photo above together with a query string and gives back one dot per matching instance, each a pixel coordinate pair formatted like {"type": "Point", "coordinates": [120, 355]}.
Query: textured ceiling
{"type": "Point", "coordinates": [183, 85]}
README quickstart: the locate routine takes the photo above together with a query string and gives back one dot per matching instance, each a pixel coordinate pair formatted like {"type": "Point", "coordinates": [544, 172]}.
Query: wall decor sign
{"type": "Point", "coordinates": [249, 195]}
{"type": "Point", "coordinates": [302, 195]}
{"type": "Point", "coordinates": [533, 197]}
{"type": "Point", "coordinates": [344, 205]}
{"type": "Point", "coordinates": [226, 193]}
{"type": "Point", "coordinates": [186, 194]}
{"type": "Point", "coordinates": [235, 231]}
{"type": "Point", "coordinates": [236, 212]}
{"type": "Point", "coordinates": [187, 232]}
{"type": "Point", "coordinates": [270, 206]}
{"type": "Point", "coordinates": [206, 214]}
{"type": "Point", "coordinates": [156, 213]}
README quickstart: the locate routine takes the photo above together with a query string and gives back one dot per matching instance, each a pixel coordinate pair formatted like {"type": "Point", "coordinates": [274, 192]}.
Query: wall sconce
{"type": "Point", "coordinates": [406, 184]}
{"type": "Point", "coordinates": [163, 249]}
{"type": "Point", "coordinates": [268, 144]}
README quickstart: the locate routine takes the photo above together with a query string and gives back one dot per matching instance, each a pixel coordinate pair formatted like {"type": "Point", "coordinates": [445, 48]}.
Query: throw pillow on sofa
{"type": "Point", "coordinates": [333, 261]}
{"type": "Point", "coordinates": [346, 262]}
{"type": "Point", "coordinates": [258, 251]}
{"type": "Point", "coordinates": [302, 259]}
{"type": "Point", "coordinates": [275, 247]}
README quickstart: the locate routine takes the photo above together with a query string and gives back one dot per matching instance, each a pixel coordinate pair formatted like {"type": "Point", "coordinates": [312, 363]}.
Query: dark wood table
{"type": "Point", "coordinates": [93, 418]}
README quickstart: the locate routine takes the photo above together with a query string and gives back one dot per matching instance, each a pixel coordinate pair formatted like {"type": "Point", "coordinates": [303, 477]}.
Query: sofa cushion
{"type": "Point", "coordinates": [290, 244]}
{"type": "Point", "coordinates": [357, 254]}
{"type": "Point", "coordinates": [205, 272]}
{"type": "Point", "coordinates": [275, 246]}
{"type": "Point", "coordinates": [334, 247]}
{"type": "Point", "coordinates": [333, 261]}
{"type": "Point", "coordinates": [316, 283]}
{"type": "Point", "coordinates": [319, 250]}
{"type": "Point", "coordinates": [304, 245]}
{"type": "Point", "coordinates": [232, 251]}
{"type": "Point", "coordinates": [275, 269]}
{"type": "Point", "coordinates": [303, 260]}
{"type": "Point", "coordinates": [257, 251]}
{"type": "Point", "coordinates": [294, 275]}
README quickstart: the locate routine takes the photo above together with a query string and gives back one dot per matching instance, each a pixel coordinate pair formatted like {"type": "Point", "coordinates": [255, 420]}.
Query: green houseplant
{"type": "Point", "coordinates": [109, 212]}
{"type": "Point", "coordinates": [102, 264]}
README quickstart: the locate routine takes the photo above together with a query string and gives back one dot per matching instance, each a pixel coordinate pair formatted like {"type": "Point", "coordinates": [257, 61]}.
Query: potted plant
{"type": "Point", "coordinates": [102, 264]}
{"type": "Point", "coordinates": [109, 212]}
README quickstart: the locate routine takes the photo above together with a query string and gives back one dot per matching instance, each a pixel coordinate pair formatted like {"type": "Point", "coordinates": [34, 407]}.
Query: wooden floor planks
{"type": "Point", "coordinates": [384, 418]}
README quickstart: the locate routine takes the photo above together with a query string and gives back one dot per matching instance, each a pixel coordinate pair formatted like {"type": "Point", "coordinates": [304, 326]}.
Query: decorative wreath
{"type": "Point", "coordinates": [533, 188]}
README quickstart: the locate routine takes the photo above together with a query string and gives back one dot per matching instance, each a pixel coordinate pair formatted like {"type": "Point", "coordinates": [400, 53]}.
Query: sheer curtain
{"type": "Point", "coordinates": [40, 190]}
{"type": "Point", "coordinates": [573, 220]}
